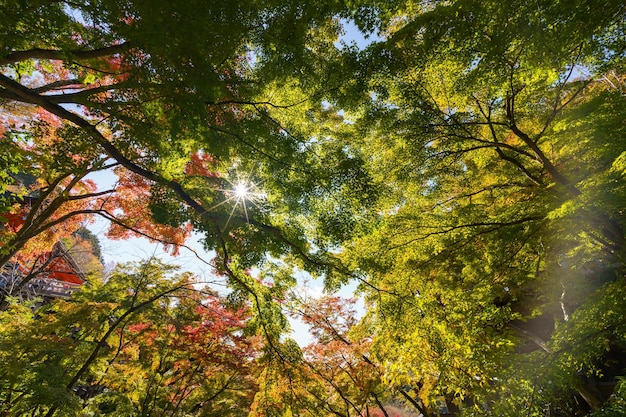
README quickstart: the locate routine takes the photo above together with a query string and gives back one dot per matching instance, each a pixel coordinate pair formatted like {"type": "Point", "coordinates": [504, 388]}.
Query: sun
{"type": "Point", "coordinates": [240, 193]}
{"type": "Point", "coordinates": [241, 190]}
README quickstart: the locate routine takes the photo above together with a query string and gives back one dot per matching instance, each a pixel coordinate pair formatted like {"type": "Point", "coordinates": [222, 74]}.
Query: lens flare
{"type": "Point", "coordinates": [241, 193]}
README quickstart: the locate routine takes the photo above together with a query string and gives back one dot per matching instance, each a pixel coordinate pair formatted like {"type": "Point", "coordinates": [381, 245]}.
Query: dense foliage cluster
{"type": "Point", "coordinates": [466, 168]}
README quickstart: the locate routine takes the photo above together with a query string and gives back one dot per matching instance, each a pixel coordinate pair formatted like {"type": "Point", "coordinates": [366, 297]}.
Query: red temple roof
{"type": "Point", "coordinates": [61, 270]}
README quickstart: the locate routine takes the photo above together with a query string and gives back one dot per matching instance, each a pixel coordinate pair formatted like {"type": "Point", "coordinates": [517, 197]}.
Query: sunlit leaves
{"type": "Point", "coordinates": [497, 200]}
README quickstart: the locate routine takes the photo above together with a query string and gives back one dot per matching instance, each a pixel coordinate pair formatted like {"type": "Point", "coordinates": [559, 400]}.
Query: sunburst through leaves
{"type": "Point", "coordinates": [241, 192]}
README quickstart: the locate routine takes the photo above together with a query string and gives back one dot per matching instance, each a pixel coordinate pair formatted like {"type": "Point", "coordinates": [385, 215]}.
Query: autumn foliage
{"type": "Point", "coordinates": [462, 166]}
{"type": "Point", "coordinates": [129, 208]}
{"type": "Point", "coordinates": [144, 341]}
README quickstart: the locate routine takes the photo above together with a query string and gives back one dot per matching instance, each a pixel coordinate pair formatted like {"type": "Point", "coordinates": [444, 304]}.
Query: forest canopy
{"type": "Point", "coordinates": [465, 169]}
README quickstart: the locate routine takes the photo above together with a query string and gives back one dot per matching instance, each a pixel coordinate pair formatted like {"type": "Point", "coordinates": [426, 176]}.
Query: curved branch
{"type": "Point", "coordinates": [450, 228]}
{"type": "Point", "coordinates": [55, 85]}
{"type": "Point", "coordinates": [74, 97]}
{"type": "Point", "coordinates": [56, 54]}
{"type": "Point", "coordinates": [255, 103]}
{"type": "Point", "coordinates": [44, 102]}
{"type": "Point", "coordinates": [545, 161]}
{"type": "Point", "coordinates": [105, 214]}
{"type": "Point", "coordinates": [413, 402]}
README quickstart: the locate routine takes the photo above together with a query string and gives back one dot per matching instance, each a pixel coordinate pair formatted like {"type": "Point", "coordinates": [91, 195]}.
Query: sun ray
{"type": "Point", "coordinates": [230, 216]}
{"type": "Point", "coordinates": [245, 210]}
{"type": "Point", "coordinates": [220, 203]}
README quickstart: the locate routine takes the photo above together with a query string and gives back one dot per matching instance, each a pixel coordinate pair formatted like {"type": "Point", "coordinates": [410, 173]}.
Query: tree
{"type": "Point", "coordinates": [332, 376]}
{"type": "Point", "coordinates": [234, 88]}
{"type": "Point", "coordinates": [493, 131]}
{"type": "Point", "coordinates": [51, 206]}
{"type": "Point", "coordinates": [143, 343]}
{"type": "Point", "coordinates": [85, 249]}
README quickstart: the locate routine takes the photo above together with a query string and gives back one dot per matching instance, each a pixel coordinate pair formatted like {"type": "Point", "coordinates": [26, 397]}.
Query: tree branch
{"type": "Point", "coordinates": [547, 164]}
{"type": "Point", "coordinates": [56, 54]}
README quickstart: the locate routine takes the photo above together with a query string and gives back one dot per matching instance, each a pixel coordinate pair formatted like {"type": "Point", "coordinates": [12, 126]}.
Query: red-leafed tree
{"type": "Point", "coordinates": [333, 375]}
{"type": "Point", "coordinates": [190, 360]}
{"type": "Point", "coordinates": [144, 343]}
{"type": "Point", "coordinates": [129, 210]}
{"type": "Point", "coordinates": [339, 358]}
